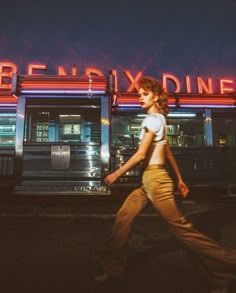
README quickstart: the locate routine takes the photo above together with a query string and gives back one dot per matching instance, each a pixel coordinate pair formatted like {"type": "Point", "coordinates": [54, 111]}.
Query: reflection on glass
{"type": "Point", "coordinates": [224, 129]}
{"type": "Point", "coordinates": [63, 125]}
{"type": "Point", "coordinates": [69, 128]}
{"type": "Point", "coordinates": [7, 129]}
{"type": "Point", "coordinates": [125, 131]}
{"type": "Point", "coordinates": [222, 139]}
{"type": "Point", "coordinates": [40, 127]}
{"type": "Point", "coordinates": [186, 131]}
{"type": "Point", "coordinates": [181, 132]}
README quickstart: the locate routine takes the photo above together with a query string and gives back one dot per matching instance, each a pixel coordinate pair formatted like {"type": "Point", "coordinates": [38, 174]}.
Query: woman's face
{"type": "Point", "coordinates": [147, 99]}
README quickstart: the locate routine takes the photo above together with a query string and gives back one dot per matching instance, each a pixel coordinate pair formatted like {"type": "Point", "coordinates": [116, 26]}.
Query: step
{"type": "Point", "coordinates": [60, 188]}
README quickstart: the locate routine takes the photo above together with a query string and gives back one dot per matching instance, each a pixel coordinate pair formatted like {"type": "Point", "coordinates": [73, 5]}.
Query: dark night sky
{"type": "Point", "coordinates": [177, 36]}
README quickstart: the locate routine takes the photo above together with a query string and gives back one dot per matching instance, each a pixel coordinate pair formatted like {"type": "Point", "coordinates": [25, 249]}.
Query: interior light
{"type": "Point", "coordinates": [63, 91]}
{"type": "Point", "coordinates": [208, 106]}
{"type": "Point", "coordinates": [70, 115]}
{"type": "Point", "coordinates": [141, 115]}
{"type": "Point", "coordinates": [7, 114]}
{"type": "Point", "coordinates": [187, 115]}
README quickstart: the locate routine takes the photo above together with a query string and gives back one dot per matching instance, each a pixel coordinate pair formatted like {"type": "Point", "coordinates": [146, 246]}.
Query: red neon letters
{"type": "Point", "coordinates": [174, 79]}
{"type": "Point", "coordinates": [134, 82]}
{"type": "Point", "coordinates": [7, 70]}
{"type": "Point", "coordinates": [32, 67]}
{"type": "Point", "coordinates": [62, 72]}
{"type": "Point", "coordinates": [225, 86]}
{"type": "Point", "coordinates": [223, 89]}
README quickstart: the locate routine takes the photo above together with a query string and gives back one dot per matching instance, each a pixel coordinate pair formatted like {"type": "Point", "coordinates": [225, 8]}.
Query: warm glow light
{"type": "Point", "coordinates": [93, 71]}
{"type": "Point", "coordinates": [174, 79]}
{"type": "Point", "coordinates": [224, 89]}
{"type": "Point", "coordinates": [134, 100]}
{"type": "Point", "coordinates": [202, 87]}
{"type": "Point", "coordinates": [188, 84]}
{"type": "Point", "coordinates": [32, 67]}
{"type": "Point", "coordinates": [88, 71]}
{"type": "Point", "coordinates": [68, 83]}
{"type": "Point", "coordinates": [61, 71]}
{"type": "Point", "coordinates": [184, 101]}
{"type": "Point", "coordinates": [7, 70]}
{"type": "Point", "coordinates": [207, 101]}
{"type": "Point", "coordinates": [114, 73]}
{"type": "Point", "coordinates": [73, 71]}
{"type": "Point", "coordinates": [208, 106]}
{"type": "Point", "coordinates": [134, 81]}
{"type": "Point", "coordinates": [104, 121]}
{"type": "Point", "coordinates": [8, 99]}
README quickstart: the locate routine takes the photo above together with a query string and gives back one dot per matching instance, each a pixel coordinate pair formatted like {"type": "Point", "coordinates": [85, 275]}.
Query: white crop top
{"type": "Point", "coordinates": [157, 124]}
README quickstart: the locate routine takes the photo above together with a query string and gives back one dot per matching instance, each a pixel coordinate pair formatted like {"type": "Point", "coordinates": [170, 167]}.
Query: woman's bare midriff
{"type": "Point", "coordinates": [156, 156]}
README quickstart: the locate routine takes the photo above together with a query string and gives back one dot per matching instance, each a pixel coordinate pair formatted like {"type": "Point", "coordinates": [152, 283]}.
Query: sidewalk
{"type": "Point", "coordinates": [95, 206]}
{"type": "Point", "coordinates": [55, 254]}
{"type": "Point", "coordinates": [47, 246]}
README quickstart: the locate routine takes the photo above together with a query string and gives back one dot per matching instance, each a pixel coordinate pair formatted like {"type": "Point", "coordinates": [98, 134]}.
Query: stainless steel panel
{"type": "Point", "coordinates": [105, 136]}
{"type": "Point", "coordinates": [208, 128]}
{"type": "Point", "coordinates": [20, 122]}
{"type": "Point", "coordinates": [60, 157]}
{"type": "Point", "coordinates": [80, 164]}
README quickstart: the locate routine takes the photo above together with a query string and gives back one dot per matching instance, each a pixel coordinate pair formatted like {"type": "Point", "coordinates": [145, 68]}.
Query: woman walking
{"type": "Point", "coordinates": [215, 261]}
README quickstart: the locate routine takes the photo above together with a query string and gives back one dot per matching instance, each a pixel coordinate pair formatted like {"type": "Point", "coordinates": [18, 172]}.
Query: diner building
{"type": "Point", "coordinates": [63, 134]}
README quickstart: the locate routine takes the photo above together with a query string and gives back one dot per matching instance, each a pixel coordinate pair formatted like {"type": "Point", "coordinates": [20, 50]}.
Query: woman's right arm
{"type": "Point", "coordinates": [137, 157]}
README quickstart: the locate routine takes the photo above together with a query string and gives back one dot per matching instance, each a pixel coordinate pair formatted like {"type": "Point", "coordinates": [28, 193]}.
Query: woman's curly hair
{"type": "Point", "coordinates": [151, 84]}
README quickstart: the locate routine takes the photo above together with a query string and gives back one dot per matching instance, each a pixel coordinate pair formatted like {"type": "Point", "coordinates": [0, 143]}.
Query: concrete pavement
{"type": "Point", "coordinates": [47, 246]}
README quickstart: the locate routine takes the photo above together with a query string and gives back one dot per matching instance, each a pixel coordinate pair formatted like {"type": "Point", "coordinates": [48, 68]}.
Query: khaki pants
{"type": "Point", "coordinates": [216, 261]}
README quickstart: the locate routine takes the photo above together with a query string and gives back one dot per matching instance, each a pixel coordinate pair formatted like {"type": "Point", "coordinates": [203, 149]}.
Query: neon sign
{"type": "Point", "coordinates": [224, 85]}
{"type": "Point", "coordinates": [7, 70]}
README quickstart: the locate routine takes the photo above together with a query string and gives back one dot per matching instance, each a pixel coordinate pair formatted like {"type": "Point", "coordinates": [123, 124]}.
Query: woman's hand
{"type": "Point", "coordinates": [110, 178]}
{"type": "Point", "coordinates": [183, 188]}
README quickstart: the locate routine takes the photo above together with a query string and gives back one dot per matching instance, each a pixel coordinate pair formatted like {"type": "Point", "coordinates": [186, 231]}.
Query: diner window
{"type": "Point", "coordinates": [224, 129]}
{"type": "Point", "coordinates": [40, 127]}
{"type": "Point", "coordinates": [126, 130]}
{"type": "Point", "coordinates": [7, 129]}
{"type": "Point", "coordinates": [63, 125]}
{"type": "Point", "coordinates": [183, 131]}
{"type": "Point", "coordinates": [69, 127]}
